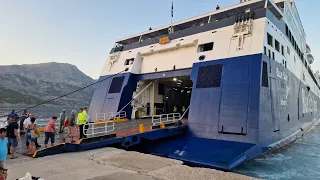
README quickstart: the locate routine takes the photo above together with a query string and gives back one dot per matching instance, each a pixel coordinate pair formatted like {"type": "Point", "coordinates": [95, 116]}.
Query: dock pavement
{"type": "Point", "coordinates": [111, 164]}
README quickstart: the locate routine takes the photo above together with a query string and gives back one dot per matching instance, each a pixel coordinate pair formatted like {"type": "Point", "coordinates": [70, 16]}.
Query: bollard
{"type": "Point", "coordinates": [141, 128]}
{"type": "Point", "coordinates": [162, 125]}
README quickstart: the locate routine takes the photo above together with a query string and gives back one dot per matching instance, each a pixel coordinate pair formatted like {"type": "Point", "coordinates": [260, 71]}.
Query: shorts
{"type": "Point", "coordinates": [12, 142]}
{"type": "Point", "coordinates": [30, 139]}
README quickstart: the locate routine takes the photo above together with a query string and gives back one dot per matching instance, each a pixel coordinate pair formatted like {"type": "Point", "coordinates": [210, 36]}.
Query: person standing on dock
{"type": "Point", "coordinates": [13, 136]}
{"type": "Point", "coordinates": [49, 131]}
{"type": "Point", "coordinates": [32, 135]}
{"type": "Point", "coordinates": [12, 115]}
{"type": "Point", "coordinates": [82, 121]}
{"type": "Point", "coordinates": [62, 119]}
{"type": "Point", "coordinates": [6, 123]}
{"type": "Point", "coordinates": [26, 122]}
{"type": "Point", "coordinates": [24, 116]}
{"type": "Point", "coordinates": [3, 147]}
{"type": "Point", "coordinates": [71, 126]}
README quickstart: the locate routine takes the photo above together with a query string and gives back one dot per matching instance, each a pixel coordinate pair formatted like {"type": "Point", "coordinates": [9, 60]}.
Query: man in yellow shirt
{"type": "Point", "coordinates": [82, 120]}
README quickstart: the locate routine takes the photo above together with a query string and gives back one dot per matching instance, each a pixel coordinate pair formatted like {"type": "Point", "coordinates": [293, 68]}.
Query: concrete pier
{"type": "Point", "coordinates": [111, 164]}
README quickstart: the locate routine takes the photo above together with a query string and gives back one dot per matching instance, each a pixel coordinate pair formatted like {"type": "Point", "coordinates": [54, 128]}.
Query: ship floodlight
{"type": "Point", "coordinates": [175, 79]}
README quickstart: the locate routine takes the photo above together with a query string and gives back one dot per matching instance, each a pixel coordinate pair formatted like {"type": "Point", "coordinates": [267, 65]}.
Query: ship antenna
{"type": "Point", "coordinates": [171, 28]}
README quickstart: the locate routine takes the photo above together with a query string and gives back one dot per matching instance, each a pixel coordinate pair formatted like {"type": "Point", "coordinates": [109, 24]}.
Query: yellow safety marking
{"type": "Point", "coordinates": [115, 121]}
{"type": "Point", "coordinates": [40, 129]}
{"type": "Point", "coordinates": [141, 128]}
{"type": "Point", "coordinates": [35, 153]}
{"type": "Point", "coordinates": [79, 141]}
{"type": "Point", "coordinates": [120, 120]}
{"type": "Point", "coordinates": [162, 125]}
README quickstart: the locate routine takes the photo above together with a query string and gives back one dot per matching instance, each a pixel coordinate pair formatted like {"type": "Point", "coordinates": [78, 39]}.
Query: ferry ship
{"type": "Point", "coordinates": [239, 76]}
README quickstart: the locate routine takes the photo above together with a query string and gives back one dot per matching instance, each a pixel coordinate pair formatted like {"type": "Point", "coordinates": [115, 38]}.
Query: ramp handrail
{"type": "Point", "coordinates": [100, 128]}
{"type": "Point", "coordinates": [165, 118]}
{"type": "Point", "coordinates": [111, 115]}
{"type": "Point", "coordinates": [185, 112]}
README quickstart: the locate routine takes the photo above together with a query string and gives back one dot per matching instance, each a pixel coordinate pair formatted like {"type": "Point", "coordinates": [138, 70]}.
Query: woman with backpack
{"type": "Point", "coordinates": [72, 127]}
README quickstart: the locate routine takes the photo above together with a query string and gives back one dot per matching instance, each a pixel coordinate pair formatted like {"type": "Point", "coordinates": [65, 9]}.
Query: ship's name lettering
{"type": "Point", "coordinates": [282, 74]}
{"type": "Point", "coordinates": [309, 103]}
{"type": "Point", "coordinates": [283, 103]}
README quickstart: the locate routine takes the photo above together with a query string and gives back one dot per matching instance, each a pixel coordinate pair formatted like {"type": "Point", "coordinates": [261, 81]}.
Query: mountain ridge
{"type": "Point", "coordinates": [35, 83]}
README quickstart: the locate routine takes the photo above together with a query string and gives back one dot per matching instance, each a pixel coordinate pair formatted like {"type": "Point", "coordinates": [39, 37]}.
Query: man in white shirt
{"type": "Point", "coordinates": [5, 123]}
{"type": "Point", "coordinates": [26, 122]}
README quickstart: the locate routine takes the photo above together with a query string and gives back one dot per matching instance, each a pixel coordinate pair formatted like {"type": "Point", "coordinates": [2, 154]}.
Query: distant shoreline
{"type": "Point", "coordinates": [24, 106]}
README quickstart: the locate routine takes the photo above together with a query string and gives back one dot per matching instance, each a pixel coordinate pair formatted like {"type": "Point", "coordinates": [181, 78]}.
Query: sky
{"type": "Point", "coordinates": [82, 32]}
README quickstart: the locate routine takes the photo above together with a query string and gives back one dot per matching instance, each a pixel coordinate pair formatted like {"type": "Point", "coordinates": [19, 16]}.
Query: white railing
{"type": "Point", "coordinates": [101, 128]}
{"type": "Point", "coordinates": [111, 115]}
{"type": "Point", "coordinates": [165, 118]}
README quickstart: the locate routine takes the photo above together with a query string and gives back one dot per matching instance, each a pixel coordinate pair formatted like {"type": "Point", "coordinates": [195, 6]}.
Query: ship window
{"type": "Point", "coordinates": [289, 35]}
{"type": "Point", "coordinates": [265, 51]}
{"type": "Point", "coordinates": [285, 64]}
{"type": "Point", "coordinates": [205, 47]}
{"type": "Point", "coordinates": [282, 50]}
{"type": "Point", "coordinates": [265, 74]}
{"type": "Point", "coordinates": [209, 76]}
{"type": "Point", "coordinates": [282, 61]}
{"type": "Point", "coordinates": [288, 50]}
{"type": "Point", "coordinates": [128, 61]}
{"type": "Point", "coordinates": [287, 30]}
{"type": "Point", "coordinates": [277, 45]}
{"type": "Point", "coordinates": [269, 53]}
{"type": "Point", "coordinates": [116, 84]}
{"type": "Point", "coordinates": [273, 56]}
{"type": "Point", "coordinates": [270, 40]}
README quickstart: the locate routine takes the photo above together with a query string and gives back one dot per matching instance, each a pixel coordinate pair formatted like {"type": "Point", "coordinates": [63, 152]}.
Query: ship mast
{"type": "Point", "coordinates": [171, 28]}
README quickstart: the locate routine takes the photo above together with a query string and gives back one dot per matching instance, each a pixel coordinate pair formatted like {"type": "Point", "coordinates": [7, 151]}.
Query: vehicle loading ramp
{"type": "Point", "coordinates": [125, 141]}
{"type": "Point", "coordinates": [212, 153]}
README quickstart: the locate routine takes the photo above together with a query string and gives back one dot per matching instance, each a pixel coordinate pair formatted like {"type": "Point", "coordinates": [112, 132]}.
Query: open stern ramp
{"type": "Point", "coordinates": [108, 134]}
{"type": "Point", "coordinates": [213, 153]}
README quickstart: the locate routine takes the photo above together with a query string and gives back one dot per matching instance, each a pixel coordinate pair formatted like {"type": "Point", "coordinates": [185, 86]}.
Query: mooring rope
{"type": "Point", "coordinates": [70, 92]}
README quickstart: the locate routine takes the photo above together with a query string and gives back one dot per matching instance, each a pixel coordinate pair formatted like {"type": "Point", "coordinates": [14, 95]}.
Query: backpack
{"type": "Point", "coordinates": [66, 122]}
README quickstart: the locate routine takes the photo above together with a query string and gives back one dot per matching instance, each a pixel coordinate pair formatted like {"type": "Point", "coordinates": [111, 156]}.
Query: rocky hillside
{"type": "Point", "coordinates": [33, 84]}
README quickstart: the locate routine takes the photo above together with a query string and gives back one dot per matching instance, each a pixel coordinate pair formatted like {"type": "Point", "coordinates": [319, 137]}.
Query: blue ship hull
{"type": "Point", "coordinates": [240, 108]}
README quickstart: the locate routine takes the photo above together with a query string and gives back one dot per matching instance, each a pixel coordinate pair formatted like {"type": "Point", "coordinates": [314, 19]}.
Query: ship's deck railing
{"type": "Point", "coordinates": [165, 118]}
{"type": "Point", "coordinates": [98, 128]}
{"type": "Point", "coordinates": [111, 115]}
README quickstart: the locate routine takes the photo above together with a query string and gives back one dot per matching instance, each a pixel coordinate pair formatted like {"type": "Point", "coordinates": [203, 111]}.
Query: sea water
{"type": "Point", "coordinates": [299, 161]}
{"type": "Point", "coordinates": [42, 115]}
